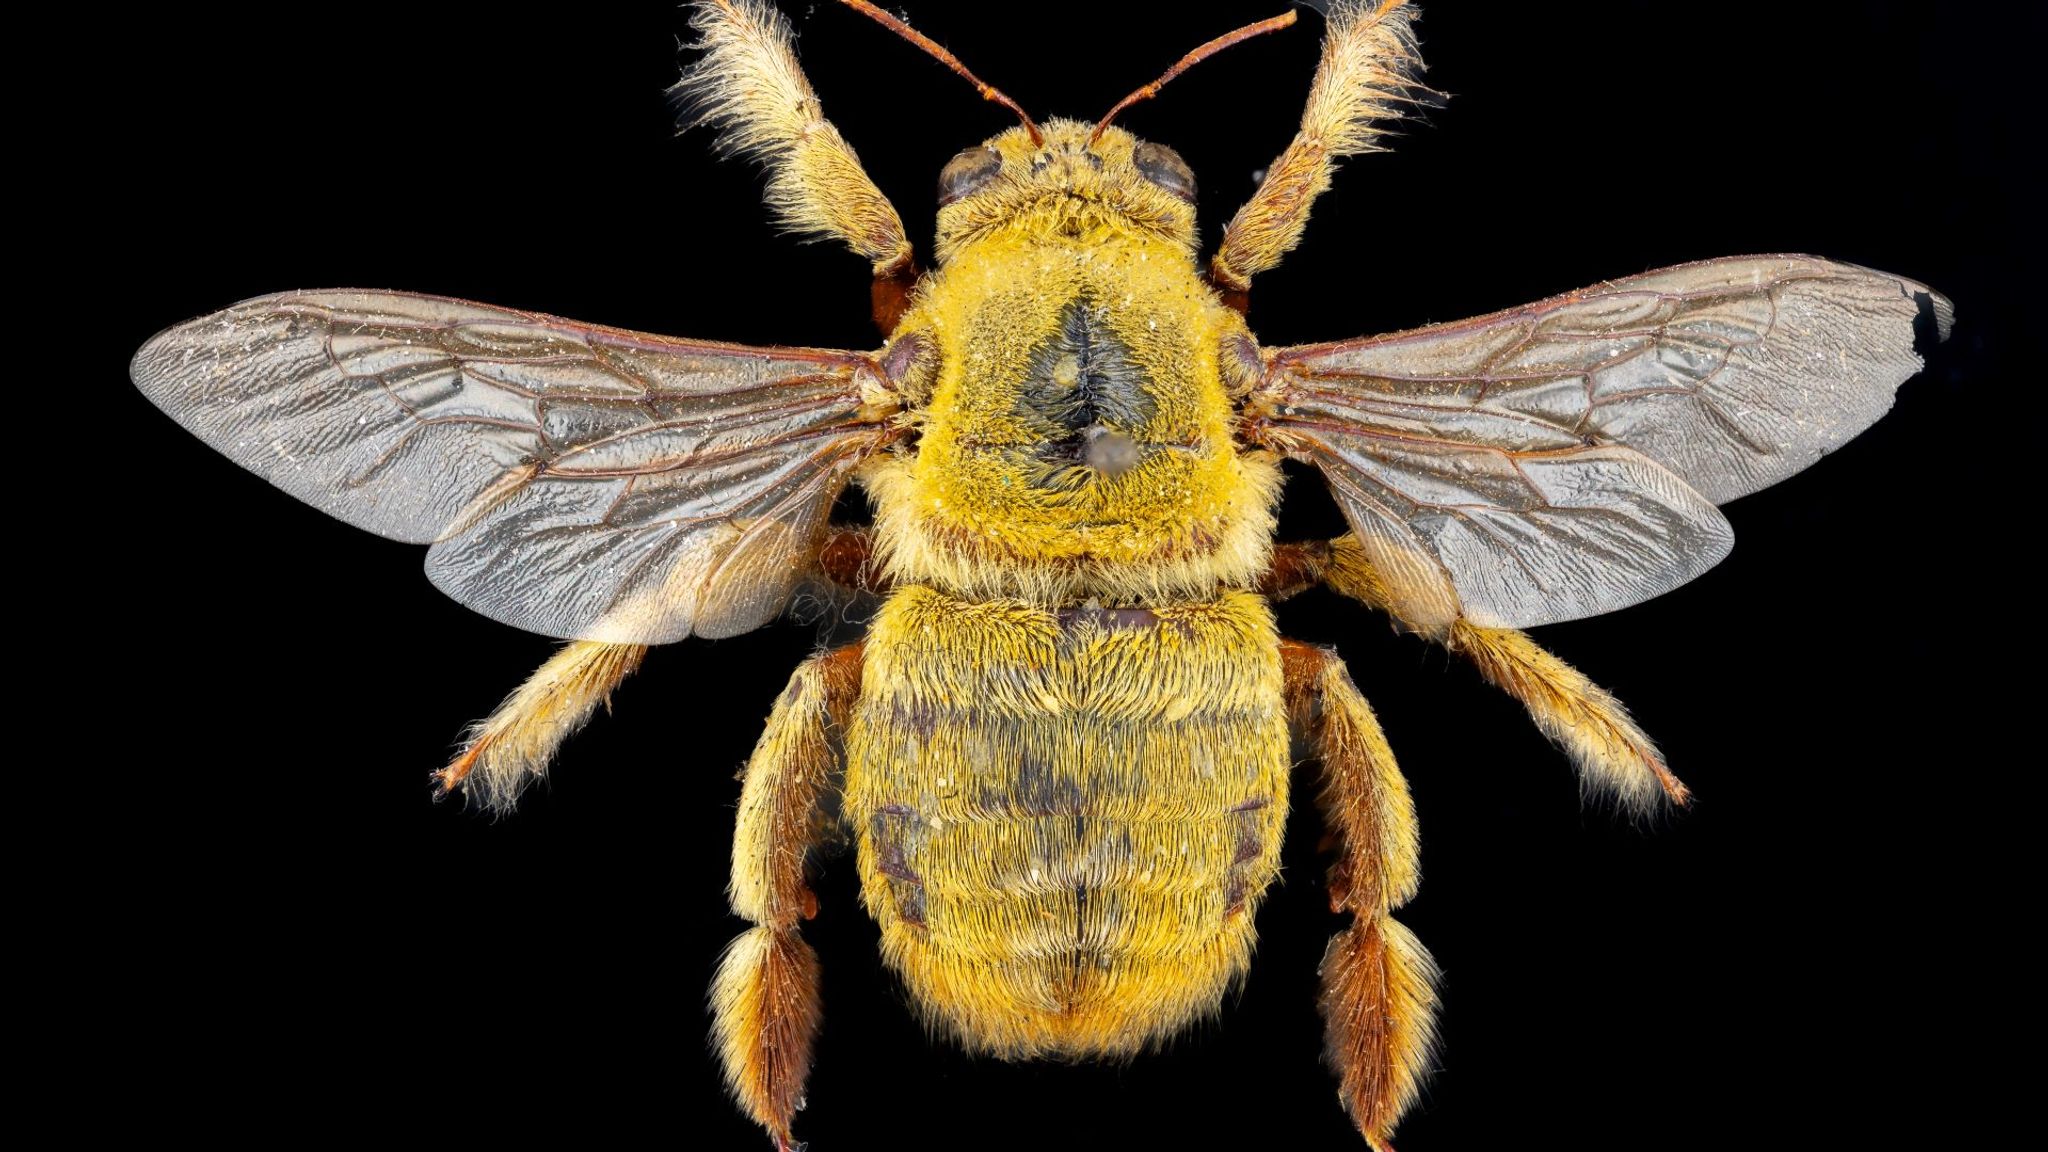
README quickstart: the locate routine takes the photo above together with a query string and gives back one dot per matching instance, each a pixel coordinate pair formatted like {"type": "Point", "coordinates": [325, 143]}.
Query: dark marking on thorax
{"type": "Point", "coordinates": [1082, 376]}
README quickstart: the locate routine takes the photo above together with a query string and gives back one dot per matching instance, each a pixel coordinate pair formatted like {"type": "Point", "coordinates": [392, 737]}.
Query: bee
{"type": "Point", "coordinates": [1062, 747]}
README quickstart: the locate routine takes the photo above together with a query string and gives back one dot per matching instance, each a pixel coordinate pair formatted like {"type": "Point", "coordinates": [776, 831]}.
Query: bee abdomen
{"type": "Point", "coordinates": [1041, 885]}
{"type": "Point", "coordinates": [1064, 833]}
{"type": "Point", "coordinates": [1066, 935]}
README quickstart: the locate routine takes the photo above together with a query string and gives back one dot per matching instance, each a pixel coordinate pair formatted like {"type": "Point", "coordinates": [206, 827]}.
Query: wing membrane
{"type": "Point", "coordinates": [1563, 459]}
{"type": "Point", "coordinates": [578, 481]}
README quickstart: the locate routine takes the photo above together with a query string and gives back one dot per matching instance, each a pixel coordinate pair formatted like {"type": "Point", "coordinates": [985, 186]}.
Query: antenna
{"type": "Point", "coordinates": [988, 91]}
{"type": "Point", "coordinates": [1188, 61]}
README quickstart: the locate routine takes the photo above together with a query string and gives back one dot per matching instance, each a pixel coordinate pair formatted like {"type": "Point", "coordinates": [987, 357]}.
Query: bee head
{"type": "Point", "coordinates": [1070, 178]}
{"type": "Point", "coordinates": [1066, 180]}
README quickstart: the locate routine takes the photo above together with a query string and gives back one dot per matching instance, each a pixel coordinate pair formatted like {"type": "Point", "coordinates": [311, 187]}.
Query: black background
{"type": "Point", "coordinates": [1786, 965]}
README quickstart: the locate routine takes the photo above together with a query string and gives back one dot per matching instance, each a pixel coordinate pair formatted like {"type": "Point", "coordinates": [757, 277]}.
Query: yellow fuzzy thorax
{"type": "Point", "coordinates": [974, 507]}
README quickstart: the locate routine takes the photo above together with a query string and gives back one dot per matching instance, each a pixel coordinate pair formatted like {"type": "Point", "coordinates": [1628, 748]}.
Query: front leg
{"type": "Point", "coordinates": [764, 1001]}
{"type": "Point", "coordinates": [1379, 998]}
{"type": "Point", "coordinates": [747, 84]}
{"type": "Point", "coordinates": [1612, 753]}
{"type": "Point", "coordinates": [1365, 78]}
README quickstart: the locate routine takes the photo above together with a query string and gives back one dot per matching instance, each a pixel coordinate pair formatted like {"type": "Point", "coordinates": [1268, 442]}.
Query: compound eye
{"type": "Point", "coordinates": [1164, 167]}
{"type": "Point", "coordinates": [964, 174]}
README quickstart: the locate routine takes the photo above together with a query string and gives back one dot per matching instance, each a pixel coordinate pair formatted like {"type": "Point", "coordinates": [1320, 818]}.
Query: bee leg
{"type": "Point", "coordinates": [511, 747]}
{"type": "Point", "coordinates": [1295, 568]}
{"type": "Point", "coordinates": [1366, 75]}
{"type": "Point", "coordinates": [1612, 753]}
{"type": "Point", "coordinates": [848, 560]}
{"type": "Point", "coordinates": [764, 1001]}
{"type": "Point", "coordinates": [1378, 998]}
{"type": "Point", "coordinates": [746, 84]}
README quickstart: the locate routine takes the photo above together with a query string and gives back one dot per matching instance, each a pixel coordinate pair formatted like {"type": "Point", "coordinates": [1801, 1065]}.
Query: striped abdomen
{"type": "Point", "coordinates": [1065, 819]}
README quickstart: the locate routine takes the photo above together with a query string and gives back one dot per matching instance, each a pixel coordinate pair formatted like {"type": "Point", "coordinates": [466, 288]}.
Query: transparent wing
{"type": "Point", "coordinates": [1563, 459]}
{"type": "Point", "coordinates": [577, 481]}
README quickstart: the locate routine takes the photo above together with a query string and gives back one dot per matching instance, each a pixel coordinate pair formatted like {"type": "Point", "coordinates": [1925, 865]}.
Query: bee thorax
{"type": "Point", "coordinates": [1082, 375]}
{"type": "Point", "coordinates": [1077, 440]}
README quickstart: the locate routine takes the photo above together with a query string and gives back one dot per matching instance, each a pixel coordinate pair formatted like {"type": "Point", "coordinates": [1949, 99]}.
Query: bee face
{"type": "Point", "coordinates": [1072, 185]}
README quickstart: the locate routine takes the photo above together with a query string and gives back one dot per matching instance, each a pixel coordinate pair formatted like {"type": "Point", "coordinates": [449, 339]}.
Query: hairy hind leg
{"type": "Point", "coordinates": [764, 1001]}
{"type": "Point", "coordinates": [1379, 998]}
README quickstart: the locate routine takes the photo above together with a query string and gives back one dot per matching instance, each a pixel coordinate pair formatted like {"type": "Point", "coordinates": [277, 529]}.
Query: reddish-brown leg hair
{"type": "Point", "coordinates": [848, 560]}
{"type": "Point", "coordinates": [764, 1002]}
{"type": "Point", "coordinates": [1295, 568]}
{"type": "Point", "coordinates": [1378, 999]}
{"type": "Point", "coordinates": [889, 295]}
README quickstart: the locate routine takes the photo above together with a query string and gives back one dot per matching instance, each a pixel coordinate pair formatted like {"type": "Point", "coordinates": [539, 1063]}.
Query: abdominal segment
{"type": "Point", "coordinates": [1066, 819]}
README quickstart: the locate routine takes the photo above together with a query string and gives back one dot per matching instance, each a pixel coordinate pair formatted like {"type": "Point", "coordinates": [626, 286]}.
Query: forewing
{"type": "Point", "coordinates": [1562, 459]}
{"type": "Point", "coordinates": [577, 481]}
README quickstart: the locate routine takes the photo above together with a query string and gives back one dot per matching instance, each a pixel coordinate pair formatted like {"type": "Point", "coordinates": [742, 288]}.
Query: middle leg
{"type": "Point", "coordinates": [1614, 756]}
